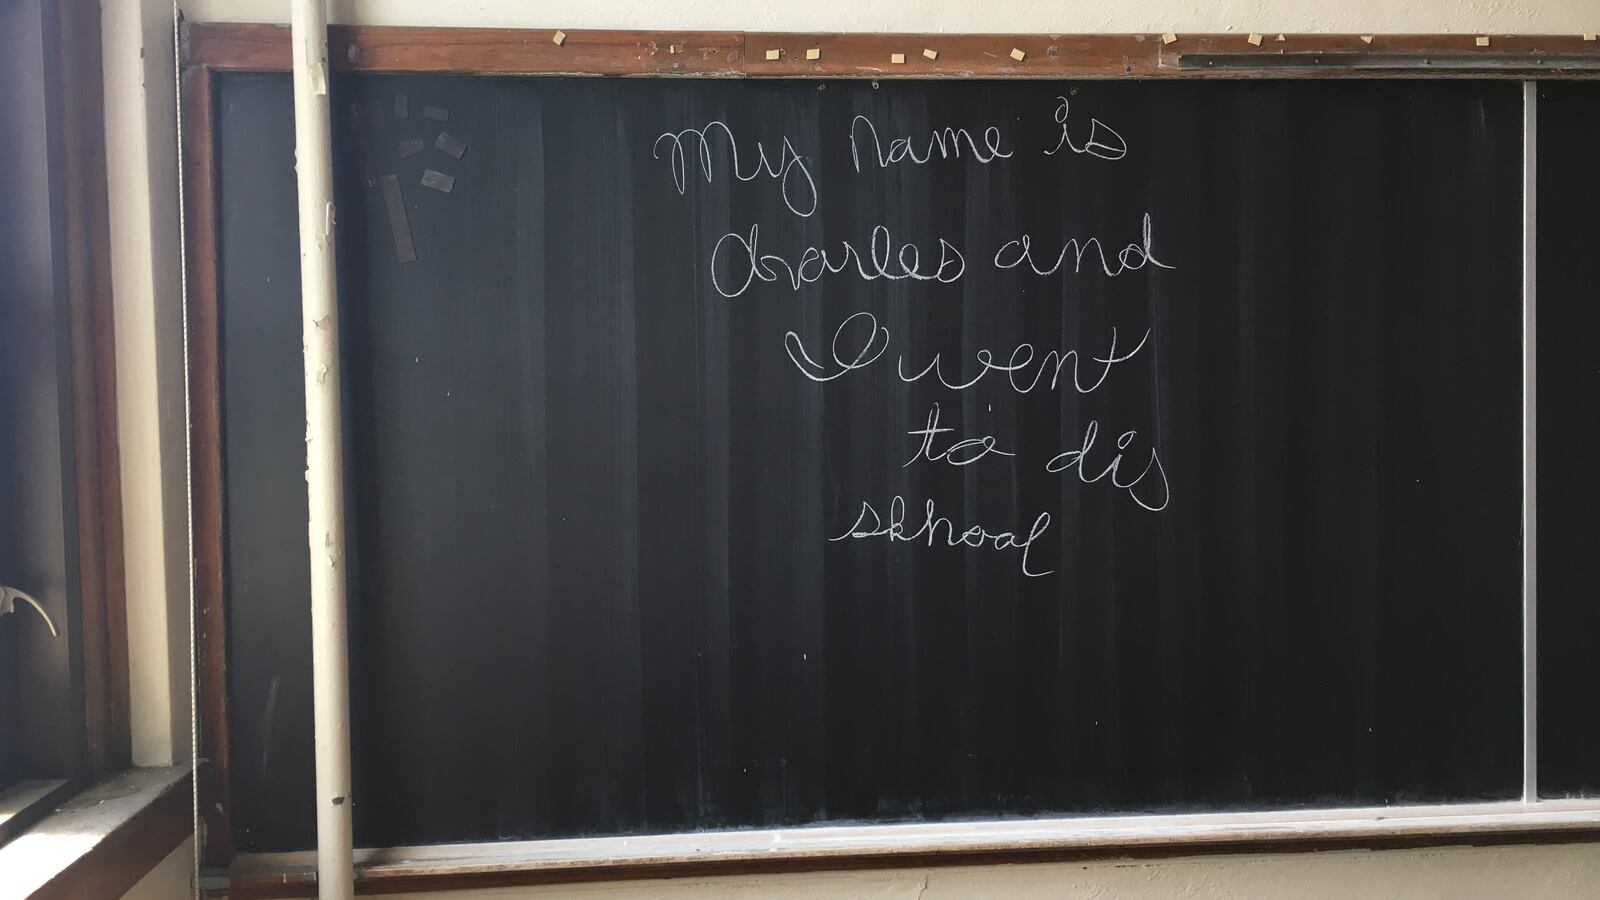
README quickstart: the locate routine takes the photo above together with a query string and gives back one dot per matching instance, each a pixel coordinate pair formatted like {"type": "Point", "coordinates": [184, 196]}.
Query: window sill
{"type": "Point", "coordinates": [27, 802]}
{"type": "Point", "coordinates": [463, 866]}
{"type": "Point", "coordinates": [101, 841]}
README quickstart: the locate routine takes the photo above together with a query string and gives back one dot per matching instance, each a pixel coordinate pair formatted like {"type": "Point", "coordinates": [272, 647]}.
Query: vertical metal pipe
{"type": "Point", "coordinates": [324, 457]}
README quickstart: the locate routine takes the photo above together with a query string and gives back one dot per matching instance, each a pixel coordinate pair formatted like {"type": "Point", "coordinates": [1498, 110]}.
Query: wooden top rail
{"type": "Point", "coordinates": [505, 51]}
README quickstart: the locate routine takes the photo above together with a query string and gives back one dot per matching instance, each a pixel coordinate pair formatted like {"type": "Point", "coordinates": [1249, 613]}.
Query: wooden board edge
{"type": "Point", "coordinates": [247, 879]}
{"type": "Point", "coordinates": [511, 51]}
{"type": "Point", "coordinates": [205, 435]}
{"type": "Point", "coordinates": [231, 46]}
{"type": "Point", "coordinates": [472, 51]}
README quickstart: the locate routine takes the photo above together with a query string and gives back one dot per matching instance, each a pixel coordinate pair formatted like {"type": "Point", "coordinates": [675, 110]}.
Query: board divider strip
{"type": "Point", "coordinates": [1530, 366]}
{"type": "Point", "coordinates": [231, 46]}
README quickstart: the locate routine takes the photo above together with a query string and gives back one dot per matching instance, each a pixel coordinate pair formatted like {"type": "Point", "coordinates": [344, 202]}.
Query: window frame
{"type": "Point", "coordinates": [209, 49]}
{"type": "Point", "coordinates": [90, 738]}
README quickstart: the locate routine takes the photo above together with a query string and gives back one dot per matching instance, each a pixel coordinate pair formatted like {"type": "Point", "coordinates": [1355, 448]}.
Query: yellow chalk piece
{"type": "Point", "coordinates": [814, 53]}
{"type": "Point", "coordinates": [1366, 39]}
{"type": "Point", "coordinates": [1169, 38]}
{"type": "Point", "coordinates": [675, 48]}
{"type": "Point", "coordinates": [898, 59]}
{"type": "Point", "coordinates": [931, 54]}
{"type": "Point", "coordinates": [1588, 37]}
{"type": "Point", "coordinates": [1018, 55]}
{"type": "Point", "coordinates": [1483, 41]}
{"type": "Point", "coordinates": [559, 38]}
{"type": "Point", "coordinates": [774, 54]}
{"type": "Point", "coordinates": [1253, 40]}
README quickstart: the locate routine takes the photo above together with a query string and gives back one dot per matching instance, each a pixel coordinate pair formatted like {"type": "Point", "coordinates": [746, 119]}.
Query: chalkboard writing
{"type": "Point", "coordinates": [772, 453]}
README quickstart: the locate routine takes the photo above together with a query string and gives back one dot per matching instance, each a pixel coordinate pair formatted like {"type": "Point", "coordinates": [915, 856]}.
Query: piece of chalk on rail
{"type": "Point", "coordinates": [814, 53]}
{"type": "Point", "coordinates": [1482, 41]}
{"type": "Point", "coordinates": [1588, 37]}
{"type": "Point", "coordinates": [1253, 40]}
{"type": "Point", "coordinates": [674, 48]}
{"type": "Point", "coordinates": [1018, 55]}
{"type": "Point", "coordinates": [898, 59]}
{"type": "Point", "coordinates": [1169, 38]}
{"type": "Point", "coordinates": [774, 54]}
{"type": "Point", "coordinates": [559, 38]}
{"type": "Point", "coordinates": [1366, 39]}
{"type": "Point", "coordinates": [1281, 38]}
{"type": "Point", "coordinates": [930, 54]}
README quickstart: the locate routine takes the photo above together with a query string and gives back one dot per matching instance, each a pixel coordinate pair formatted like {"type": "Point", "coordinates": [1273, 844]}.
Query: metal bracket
{"type": "Point", "coordinates": [8, 604]}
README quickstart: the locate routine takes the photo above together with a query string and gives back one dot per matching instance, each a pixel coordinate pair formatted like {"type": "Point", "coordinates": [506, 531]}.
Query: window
{"type": "Point", "coordinates": [63, 666]}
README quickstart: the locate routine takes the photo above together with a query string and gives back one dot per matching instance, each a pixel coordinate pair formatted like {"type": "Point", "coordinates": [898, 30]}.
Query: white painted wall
{"type": "Point", "coordinates": [1152, 16]}
{"type": "Point", "coordinates": [170, 880]}
{"type": "Point", "coordinates": [142, 164]}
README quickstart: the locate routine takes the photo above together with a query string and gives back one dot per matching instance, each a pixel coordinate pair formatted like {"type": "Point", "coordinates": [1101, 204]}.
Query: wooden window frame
{"type": "Point", "coordinates": [95, 626]}
{"type": "Point", "coordinates": [119, 821]}
{"type": "Point", "coordinates": [103, 614]}
{"type": "Point", "coordinates": [208, 49]}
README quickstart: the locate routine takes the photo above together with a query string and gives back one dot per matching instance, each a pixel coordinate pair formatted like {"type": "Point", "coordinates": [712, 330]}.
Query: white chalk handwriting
{"type": "Point", "coordinates": [860, 341]}
{"type": "Point", "coordinates": [877, 341]}
{"type": "Point", "coordinates": [1155, 496]}
{"type": "Point", "coordinates": [1132, 257]}
{"type": "Point", "coordinates": [882, 260]}
{"type": "Point", "coordinates": [961, 453]}
{"type": "Point", "coordinates": [799, 190]}
{"type": "Point", "coordinates": [1103, 141]}
{"type": "Point", "coordinates": [738, 262]}
{"type": "Point", "coordinates": [945, 142]}
{"type": "Point", "coordinates": [869, 524]}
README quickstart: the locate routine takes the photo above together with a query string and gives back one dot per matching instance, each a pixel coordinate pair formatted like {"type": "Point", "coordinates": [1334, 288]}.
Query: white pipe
{"type": "Point", "coordinates": [319, 326]}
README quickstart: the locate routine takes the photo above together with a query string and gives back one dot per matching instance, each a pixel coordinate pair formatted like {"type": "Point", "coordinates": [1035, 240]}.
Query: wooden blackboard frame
{"type": "Point", "coordinates": [210, 48]}
{"type": "Point", "coordinates": [498, 51]}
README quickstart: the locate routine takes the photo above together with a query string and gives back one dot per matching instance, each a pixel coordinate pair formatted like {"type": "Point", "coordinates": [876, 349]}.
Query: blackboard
{"type": "Point", "coordinates": [1568, 440]}
{"type": "Point", "coordinates": [626, 554]}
